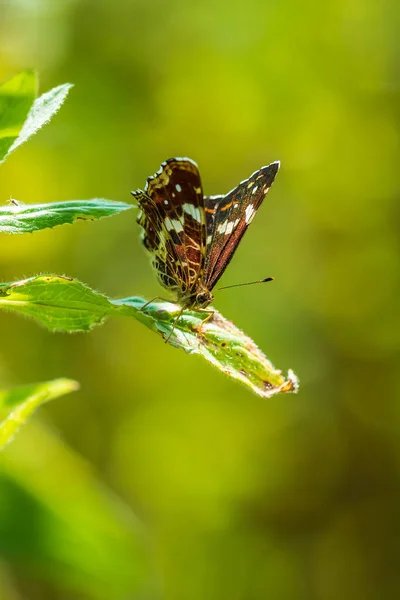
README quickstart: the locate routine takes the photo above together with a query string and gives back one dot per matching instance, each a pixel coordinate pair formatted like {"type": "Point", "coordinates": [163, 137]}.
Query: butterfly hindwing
{"type": "Point", "coordinates": [229, 216]}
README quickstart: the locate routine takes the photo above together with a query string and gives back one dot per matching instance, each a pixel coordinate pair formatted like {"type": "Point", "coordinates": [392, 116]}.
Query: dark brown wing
{"type": "Point", "coordinates": [229, 216]}
{"type": "Point", "coordinates": [158, 241]}
{"type": "Point", "coordinates": [174, 223]}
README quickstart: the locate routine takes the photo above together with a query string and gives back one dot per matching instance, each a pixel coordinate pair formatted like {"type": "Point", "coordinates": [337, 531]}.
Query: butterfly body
{"type": "Point", "coordinates": [200, 298]}
{"type": "Point", "coordinates": [192, 238]}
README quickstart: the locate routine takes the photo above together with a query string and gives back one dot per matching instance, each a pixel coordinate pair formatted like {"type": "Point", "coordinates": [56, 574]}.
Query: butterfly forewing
{"type": "Point", "coordinates": [178, 196]}
{"type": "Point", "coordinates": [229, 216]}
{"type": "Point", "coordinates": [158, 241]}
{"type": "Point", "coordinates": [173, 222]}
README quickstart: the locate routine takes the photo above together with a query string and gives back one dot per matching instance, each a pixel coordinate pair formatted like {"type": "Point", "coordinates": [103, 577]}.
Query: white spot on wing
{"type": "Point", "coordinates": [193, 211]}
{"type": "Point", "coordinates": [183, 159]}
{"type": "Point", "coordinates": [222, 227]}
{"type": "Point", "coordinates": [255, 188]}
{"type": "Point", "coordinates": [250, 180]}
{"type": "Point", "coordinates": [249, 213]}
{"type": "Point", "coordinates": [166, 202]}
{"type": "Point", "coordinates": [229, 228]}
{"type": "Point", "coordinates": [178, 187]}
{"type": "Point", "coordinates": [173, 224]}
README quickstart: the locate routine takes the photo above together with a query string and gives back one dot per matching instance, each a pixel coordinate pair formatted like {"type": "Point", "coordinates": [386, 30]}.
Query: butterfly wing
{"type": "Point", "coordinates": [229, 216]}
{"type": "Point", "coordinates": [174, 223]}
{"type": "Point", "coordinates": [159, 244]}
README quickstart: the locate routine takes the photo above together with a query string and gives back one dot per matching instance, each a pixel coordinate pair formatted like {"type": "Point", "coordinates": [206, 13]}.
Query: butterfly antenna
{"type": "Point", "coordinates": [248, 283]}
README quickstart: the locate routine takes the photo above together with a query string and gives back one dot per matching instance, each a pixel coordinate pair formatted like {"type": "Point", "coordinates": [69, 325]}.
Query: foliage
{"type": "Point", "coordinates": [20, 402]}
{"type": "Point", "coordinates": [27, 218]}
{"type": "Point", "coordinates": [292, 498]}
{"type": "Point", "coordinates": [21, 116]}
{"type": "Point", "coordinates": [65, 304]}
{"type": "Point", "coordinates": [21, 113]}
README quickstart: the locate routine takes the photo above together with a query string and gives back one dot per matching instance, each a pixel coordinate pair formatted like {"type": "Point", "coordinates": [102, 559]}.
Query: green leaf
{"type": "Point", "coordinates": [21, 116]}
{"type": "Point", "coordinates": [61, 522]}
{"type": "Point", "coordinates": [58, 303]}
{"type": "Point", "coordinates": [16, 99]}
{"type": "Point", "coordinates": [26, 218]}
{"type": "Point", "coordinates": [20, 402]}
{"type": "Point", "coordinates": [64, 304]}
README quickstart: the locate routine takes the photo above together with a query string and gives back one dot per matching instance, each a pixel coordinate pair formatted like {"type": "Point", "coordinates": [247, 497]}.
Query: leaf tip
{"type": "Point", "coordinates": [71, 385]}
{"type": "Point", "coordinates": [64, 385]}
{"type": "Point", "coordinates": [292, 384]}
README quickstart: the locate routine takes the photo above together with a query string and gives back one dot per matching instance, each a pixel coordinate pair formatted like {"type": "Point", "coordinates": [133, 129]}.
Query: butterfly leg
{"type": "Point", "coordinates": [210, 314]}
{"type": "Point", "coordinates": [178, 316]}
{"type": "Point", "coordinates": [150, 302]}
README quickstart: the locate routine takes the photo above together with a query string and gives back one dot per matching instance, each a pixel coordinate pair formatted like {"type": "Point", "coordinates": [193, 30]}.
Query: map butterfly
{"type": "Point", "coordinates": [192, 237]}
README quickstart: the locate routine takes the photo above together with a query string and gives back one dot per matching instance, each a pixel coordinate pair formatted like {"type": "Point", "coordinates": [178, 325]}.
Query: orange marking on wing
{"type": "Point", "coordinates": [227, 206]}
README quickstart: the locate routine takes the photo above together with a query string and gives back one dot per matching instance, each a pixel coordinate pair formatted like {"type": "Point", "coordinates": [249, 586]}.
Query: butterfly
{"type": "Point", "coordinates": [191, 237]}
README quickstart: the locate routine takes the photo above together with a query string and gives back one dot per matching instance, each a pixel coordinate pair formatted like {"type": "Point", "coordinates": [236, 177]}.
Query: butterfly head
{"type": "Point", "coordinates": [201, 297]}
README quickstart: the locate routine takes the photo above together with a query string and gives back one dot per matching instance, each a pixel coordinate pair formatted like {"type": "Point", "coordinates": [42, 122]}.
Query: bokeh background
{"type": "Point", "coordinates": [161, 478]}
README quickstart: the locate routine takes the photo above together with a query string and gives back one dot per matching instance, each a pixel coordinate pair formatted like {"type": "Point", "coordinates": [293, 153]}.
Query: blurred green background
{"type": "Point", "coordinates": [161, 479]}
